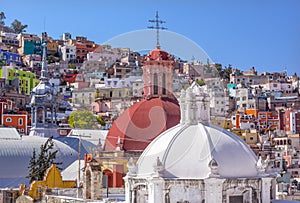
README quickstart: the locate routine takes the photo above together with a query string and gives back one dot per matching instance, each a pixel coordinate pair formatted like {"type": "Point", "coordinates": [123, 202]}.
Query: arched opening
{"type": "Point", "coordinates": [140, 194]}
{"type": "Point", "coordinates": [88, 185]}
{"type": "Point", "coordinates": [107, 178]}
{"type": "Point", "coordinates": [155, 83]}
{"type": "Point", "coordinates": [164, 91]}
{"type": "Point", "coordinates": [40, 115]}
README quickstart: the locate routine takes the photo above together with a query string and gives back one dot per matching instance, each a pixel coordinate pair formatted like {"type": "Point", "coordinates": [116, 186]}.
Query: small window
{"type": "Point", "coordinates": [20, 120]}
{"type": "Point", "coordinates": [8, 120]}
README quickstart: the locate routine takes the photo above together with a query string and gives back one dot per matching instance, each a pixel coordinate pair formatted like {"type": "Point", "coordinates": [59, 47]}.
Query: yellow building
{"type": "Point", "coordinates": [222, 123]}
{"type": "Point", "coordinates": [52, 179]}
{"type": "Point", "coordinates": [251, 137]}
{"type": "Point", "coordinates": [52, 47]}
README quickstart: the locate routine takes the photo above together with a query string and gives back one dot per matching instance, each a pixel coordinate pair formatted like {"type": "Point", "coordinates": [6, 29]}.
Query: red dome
{"type": "Point", "coordinates": [158, 53]}
{"type": "Point", "coordinates": [138, 125]}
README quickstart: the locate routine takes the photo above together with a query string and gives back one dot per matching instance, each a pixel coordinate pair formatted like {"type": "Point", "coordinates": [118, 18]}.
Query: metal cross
{"type": "Point", "coordinates": [157, 27]}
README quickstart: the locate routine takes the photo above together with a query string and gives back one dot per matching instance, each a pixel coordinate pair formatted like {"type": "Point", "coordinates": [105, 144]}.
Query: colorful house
{"type": "Point", "coordinates": [24, 81]}
{"type": "Point", "coordinates": [30, 44]}
{"type": "Point", "coordinates": [11, 58]}
{"type": "Point", "coordinates": [18, 121]}
{"type": "Point", "coordinates": [52, 180]}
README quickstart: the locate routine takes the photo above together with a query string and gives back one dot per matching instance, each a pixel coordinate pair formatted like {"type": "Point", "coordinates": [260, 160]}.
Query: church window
{"type": "Point", "coordinates": [40, 115]}
{"type": "Point", "coordinates": [155, 82]}
{"type": "Point", "coordinates": [164, 84]}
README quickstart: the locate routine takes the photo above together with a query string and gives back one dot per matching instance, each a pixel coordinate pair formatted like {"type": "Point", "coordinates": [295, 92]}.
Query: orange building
{"type": "Point", "coordinates": [268, 119]}
{"type": "Point", "coordinates": [261, 119]}
{"type": "Point", "coordinates": [83, 47]}
{"type": "Point", "coordinates": [18, 121]}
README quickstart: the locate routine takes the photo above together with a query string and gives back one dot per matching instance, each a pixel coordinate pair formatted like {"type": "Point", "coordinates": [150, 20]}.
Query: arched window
{"type": "Point", "coordinates": [164, 92]}
{"type": "Point", "coordinates": [40, 115]}
{"type": "Point", "coordinates": [155, 83]}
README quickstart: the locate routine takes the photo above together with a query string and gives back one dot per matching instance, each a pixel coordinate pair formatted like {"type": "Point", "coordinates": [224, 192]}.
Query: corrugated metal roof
{"type": "Point", "coordinates": [16, 153]}
{"type": "Point", "coordinates": [9, 133]}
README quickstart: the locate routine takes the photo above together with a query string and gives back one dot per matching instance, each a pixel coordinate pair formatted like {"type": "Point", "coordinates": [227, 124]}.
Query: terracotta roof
{"type": "Point", "coordinates": [138, 125]}
{"type": "Point", "coordinates": [158, 53]}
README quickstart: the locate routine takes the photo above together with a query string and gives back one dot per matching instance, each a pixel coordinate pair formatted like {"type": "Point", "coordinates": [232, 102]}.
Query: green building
{"type": "Point", "coordinates": [24, 81]}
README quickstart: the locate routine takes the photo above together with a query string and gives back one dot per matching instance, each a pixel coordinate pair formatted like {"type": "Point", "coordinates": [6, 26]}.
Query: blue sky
{"type": "Point", "coordinates": [260, 33]}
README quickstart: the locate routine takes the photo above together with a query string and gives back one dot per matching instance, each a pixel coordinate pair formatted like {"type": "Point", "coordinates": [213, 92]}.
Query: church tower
{"type": "Point", "coordinates": [44, 104]}
{"type": "Point", "coordinates": [158, 74]}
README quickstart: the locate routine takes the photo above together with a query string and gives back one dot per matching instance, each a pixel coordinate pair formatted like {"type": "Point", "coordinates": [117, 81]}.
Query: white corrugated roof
{"type": "Point", "coordinates": [9, 133]}
{"type": "Point", "coordinates": [15, 155]}
{"type": "Point", "coordinates": [92, 136]}
{"type": "Point", "coordinates": [71, 172]}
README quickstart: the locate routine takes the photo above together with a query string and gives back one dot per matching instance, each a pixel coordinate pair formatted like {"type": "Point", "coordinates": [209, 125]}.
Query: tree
{"type": "Point", "coordinates": [2, 18]}
{"type": "Point", "coordinates": [200, 82]}
{"type": "Point", "coordinates": [226, 72]}
{"type": "Point", "coordinates": [83, 119]}
{"type": "Point", "coordinates": [38, 166]}
{"type": "Point", "coordinates": [101, 121]}
{"type": "Point", "coordinates": [32, 167]}
{"type": "Point", "coordinates": [17, 27]}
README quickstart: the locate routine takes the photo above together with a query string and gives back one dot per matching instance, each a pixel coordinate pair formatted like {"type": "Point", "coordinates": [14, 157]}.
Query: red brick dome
{"type": "Point", "coordinates": [138, 125]}
{"type": "Point", "coordinates": [159, 54]}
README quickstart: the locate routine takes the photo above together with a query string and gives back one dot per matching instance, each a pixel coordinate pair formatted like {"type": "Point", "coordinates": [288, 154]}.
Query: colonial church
{"type": "Point", "coordinates": [44, 104]}
{"type": "Point", "coordinates": [195, 161]}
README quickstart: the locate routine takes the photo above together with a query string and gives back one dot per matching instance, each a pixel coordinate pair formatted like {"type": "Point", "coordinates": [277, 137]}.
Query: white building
{"type": "Point", "coordinates": [198, 162]}
{"type": "Point", "coordinates": [219, 100]}
{"type": "Point", "coordinates": [68, 52]}
{"type": "Point", "coordinates": [104, 56]}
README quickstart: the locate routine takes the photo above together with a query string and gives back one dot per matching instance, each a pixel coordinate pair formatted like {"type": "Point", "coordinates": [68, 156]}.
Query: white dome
{"type": "Point", "coordinates": [186, 151]}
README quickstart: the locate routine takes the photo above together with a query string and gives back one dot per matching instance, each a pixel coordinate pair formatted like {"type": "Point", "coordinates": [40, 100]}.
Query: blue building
{"type": "Point", "coordinates": [11, 58]}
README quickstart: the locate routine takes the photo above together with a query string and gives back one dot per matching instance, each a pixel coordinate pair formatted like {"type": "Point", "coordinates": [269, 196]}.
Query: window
{"type": "Point", "coordinates": [251, 138]}
{"type": "Point", "coordinates": [234, 199]}
{"type": "Point", "coordinates": [8, 120]}
{"type": "Point", "coordinates": [155, 82]}
{"type": "Point", "coordinates": [20, 121]}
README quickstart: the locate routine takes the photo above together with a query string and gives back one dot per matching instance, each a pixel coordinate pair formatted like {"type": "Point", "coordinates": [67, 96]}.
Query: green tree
{"type": "Point", "coordinates": [39, 165]}
{"type": "Point", "coordinates": [226, 72]}
{"type": "Point", "coordinates": [2, 18]}
{"type": "Point", "coordinates": [83, 119]}
{"type": "Point", "coordinates": [32, 167]}
{"type": "Point", "coordinates": [101, 121]}
{"type": "Point", "coordinates": [200, 82]}
{"type": "Point", "coordinates": [17, 27]}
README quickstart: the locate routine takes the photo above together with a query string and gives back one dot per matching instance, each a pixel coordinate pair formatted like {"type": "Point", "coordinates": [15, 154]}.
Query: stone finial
{"type": "Point", "coordinates": [261, 165]}
{"type": "Point", "coordinates": [191, 107]}
{"type": "Point", "coordinates": [182, 107]}
{"type": "Point", "coordinates": [194, 105]}
{"type": "Point", "coordinates": [131, 167]}
{"type": "Point", "coordinates": [99, 147]}
{"type": "Point", "coordinates": [158, 167]}
{"type": "Point", "coordinates": [214, 167]}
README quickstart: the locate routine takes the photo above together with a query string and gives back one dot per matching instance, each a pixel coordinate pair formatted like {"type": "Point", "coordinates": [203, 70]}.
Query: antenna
{"type": "Point", "coordinates": [44, 23]}
{"type": "Point", "coordinates": [157, 27]}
